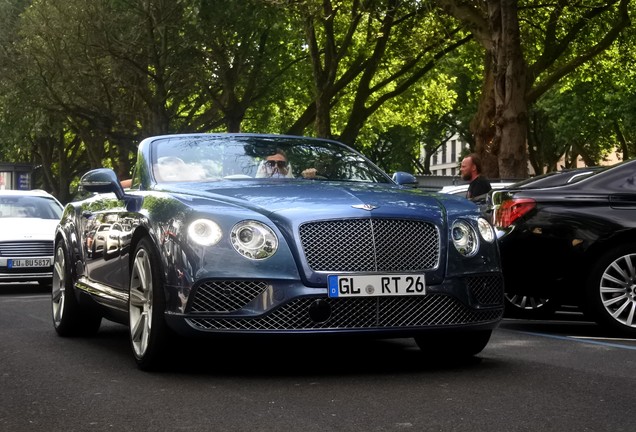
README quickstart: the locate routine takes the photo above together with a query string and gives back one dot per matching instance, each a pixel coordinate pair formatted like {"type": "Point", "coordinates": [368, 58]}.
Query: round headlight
{"type": "Point", "coordinates": [254, 240]}
{"type": "Point", "coordinates": [464, 238]}
{"type": "Point", "coordinates": [204, 232]}
{"type": "Point", "coordinates": [486, 230]}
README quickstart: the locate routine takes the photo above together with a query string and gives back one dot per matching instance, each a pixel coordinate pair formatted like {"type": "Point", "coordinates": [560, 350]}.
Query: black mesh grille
{"type": "Point", "coordinates": [379, 312]}
{"type": "Point", "coordinates": [225, 295]}
{"type": "Point", "coordinates": [487, 289]}
{"type": "Point", "coordinates": [26, 249]}
{"type": "Point", "coordinates": [368, 245]}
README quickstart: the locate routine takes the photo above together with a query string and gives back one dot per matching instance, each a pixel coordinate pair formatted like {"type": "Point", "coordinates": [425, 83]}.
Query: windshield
{"type": "Point", "coordinates": [29, 207]}
{"type": "Point", "coordinates": [217, 157]}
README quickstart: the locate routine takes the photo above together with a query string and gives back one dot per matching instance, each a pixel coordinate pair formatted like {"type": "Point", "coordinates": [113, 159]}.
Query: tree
{"type": "Point", "coordinates": [528, 49]}
{"type": "Point", "coordinates": [82, 81]}
{"type": "Point", "coordinates": [365, 53]}
{"type": "Point", "coordinates": [393, 149]}
{"type": "Point", "coordinates": [242, 51]}
{"type": "Point", "coordinates": [111, 73]}
{"type": "Point", "coordinates": [591, 114]}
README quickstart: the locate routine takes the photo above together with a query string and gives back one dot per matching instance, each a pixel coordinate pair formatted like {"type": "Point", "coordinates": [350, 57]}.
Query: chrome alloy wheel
{"type": "Point", "coordinates": [526, 302]}
{"type": "Point", "coordinates": [618, 290]}
{"type": "Point", "coordinates": [140, 303]}
{"type": "Point", "coordinates": [58, 287]}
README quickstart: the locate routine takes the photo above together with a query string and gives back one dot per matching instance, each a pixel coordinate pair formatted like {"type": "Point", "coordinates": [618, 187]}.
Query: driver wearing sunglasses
{"type": "Point", "coordinates": [275, 166]}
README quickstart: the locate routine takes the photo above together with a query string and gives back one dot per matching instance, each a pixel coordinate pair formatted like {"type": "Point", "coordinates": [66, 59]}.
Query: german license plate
{"type": "Point", "coordinates": [376, 285]}
{"type": "Point", "coordinates": [30, 262]}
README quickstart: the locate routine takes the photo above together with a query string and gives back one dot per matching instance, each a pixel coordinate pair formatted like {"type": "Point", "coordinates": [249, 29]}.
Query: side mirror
{"type": "Point", "coordinates": [102, 180]}
{"type": "Point", "coordinates": [405, 179]}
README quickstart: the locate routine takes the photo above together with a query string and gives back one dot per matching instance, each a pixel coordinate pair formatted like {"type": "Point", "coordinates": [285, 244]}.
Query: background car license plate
{"type": "Point", "coordinates": [376, 285]}
{"type": "Point", "coordinates": [31, 262]}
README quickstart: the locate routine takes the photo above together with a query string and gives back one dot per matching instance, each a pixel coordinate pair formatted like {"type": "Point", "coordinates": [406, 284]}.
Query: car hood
{"type": "Point", "coordinates": [317, 199]}
{"type": "Point", "coordinates": [27, 229]}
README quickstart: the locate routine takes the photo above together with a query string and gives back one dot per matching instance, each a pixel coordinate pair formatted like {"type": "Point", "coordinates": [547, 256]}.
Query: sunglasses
{"type": "Point", "coordinates": [280, 163]}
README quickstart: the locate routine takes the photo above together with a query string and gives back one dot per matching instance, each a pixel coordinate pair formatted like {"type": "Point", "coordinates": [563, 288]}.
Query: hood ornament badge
{"type": "Point", "coordinates": [367, 207]}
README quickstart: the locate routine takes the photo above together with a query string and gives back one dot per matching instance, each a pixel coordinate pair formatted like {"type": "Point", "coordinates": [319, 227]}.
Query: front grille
{"type": "Point", "coordinates": [370, 245]}
{"type": "Point", "coordinates": [26, 249]}
{"type": "Point", "coordinates": [487, 289]}
{"type": "Point", "coordinates": [225, 295]}
{"type": "Point", "coordinates": [367, 313]}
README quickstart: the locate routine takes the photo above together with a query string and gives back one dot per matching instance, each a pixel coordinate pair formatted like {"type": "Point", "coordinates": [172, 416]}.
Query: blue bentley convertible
{"type": "Point", "coordinates": [248, 234]}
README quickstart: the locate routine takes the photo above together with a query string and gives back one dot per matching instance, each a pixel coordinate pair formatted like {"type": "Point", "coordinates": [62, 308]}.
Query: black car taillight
{"type": "Point", "coordinates": [511, 210]}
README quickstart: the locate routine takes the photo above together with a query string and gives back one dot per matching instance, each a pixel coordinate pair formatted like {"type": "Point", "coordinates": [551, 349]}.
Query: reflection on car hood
{"type": "Point", "coordinates": [318, 198]}
{"type": "Point", "coordinates": [27, 229]}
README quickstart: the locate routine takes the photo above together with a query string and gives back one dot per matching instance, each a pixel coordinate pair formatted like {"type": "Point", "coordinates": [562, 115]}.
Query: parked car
{"type": "Point", "coordinates": [28, 220]}
{"type": "Point", "coordinates": [572, 244]}
{"type": "Point", "coordinates": [527, 306]}
{"type": "Point", "coordinates": [218, 249]}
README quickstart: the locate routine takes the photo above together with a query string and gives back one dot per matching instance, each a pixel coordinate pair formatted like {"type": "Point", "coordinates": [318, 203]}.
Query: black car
{"type": "Point", "coordinates": [550, 179]}
{"type": "Point", "coordinates": [557, 178]}
{"type": "Point", "coordinates": [573, 244]}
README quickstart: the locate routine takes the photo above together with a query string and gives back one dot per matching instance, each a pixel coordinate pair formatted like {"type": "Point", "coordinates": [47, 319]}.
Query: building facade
{"type": "Point", "coordinates": [446, 161]}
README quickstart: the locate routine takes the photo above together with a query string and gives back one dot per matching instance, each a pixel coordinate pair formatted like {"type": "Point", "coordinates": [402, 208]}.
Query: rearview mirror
{"type": "Point", "coordinates": [102, 180]}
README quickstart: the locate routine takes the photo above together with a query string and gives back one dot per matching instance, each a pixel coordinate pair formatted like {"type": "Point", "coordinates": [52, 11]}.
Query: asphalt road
{"type": "Point", "coordinates": [534, 376]}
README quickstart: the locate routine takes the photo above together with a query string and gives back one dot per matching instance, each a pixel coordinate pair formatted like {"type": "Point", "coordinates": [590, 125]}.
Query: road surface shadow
{"type": "Point", "coordinates": [302, 356]}
{"type": "Point", "coordinates": [286, 356]}
{"type": "Point", "coordinates": [25, 288]}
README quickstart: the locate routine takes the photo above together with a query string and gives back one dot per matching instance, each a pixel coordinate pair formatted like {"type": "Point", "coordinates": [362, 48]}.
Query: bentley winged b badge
{"type": "Point", "coordinates": [367, 207]}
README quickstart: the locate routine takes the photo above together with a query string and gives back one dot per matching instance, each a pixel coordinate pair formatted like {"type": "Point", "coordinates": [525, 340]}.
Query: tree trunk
{"type": "Point", "coordinates": [622, 140]}
{"type": "Point", "coordinates": [323, 70]}
{"type": "Point", "coordinates": [509, 72]}
{"type": "Point", "coordinates": [482, 125]}
{"type": "Point", "coordinates": [323, 115]}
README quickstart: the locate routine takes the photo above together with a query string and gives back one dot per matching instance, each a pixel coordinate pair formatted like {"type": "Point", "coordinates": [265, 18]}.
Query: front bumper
{"type": "Point", "coordinates": [474, 301]}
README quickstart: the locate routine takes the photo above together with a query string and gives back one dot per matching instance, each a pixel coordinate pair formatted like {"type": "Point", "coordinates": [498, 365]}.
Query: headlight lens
{"type": "Point", "coordinates": [254, 240]}
{"type": "Point", "coordinates": [464, 238]}
{"type": "Point", "coordinates": [486, 230]}
{"type": "Point", "coordinates": [204, 232]}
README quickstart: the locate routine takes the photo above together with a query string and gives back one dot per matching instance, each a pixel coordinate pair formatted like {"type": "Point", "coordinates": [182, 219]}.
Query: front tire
{"type": "Point", "coordinates": [611, 290]}
{"type": "Point", "coordinates": [149, 334]}
{"type": "Point", "coordinates": [69, 319]}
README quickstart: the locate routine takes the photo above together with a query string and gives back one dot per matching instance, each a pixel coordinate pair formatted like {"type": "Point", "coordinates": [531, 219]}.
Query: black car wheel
{"type": "Point", "coordinates": [528, 307]}
{"type": "Point", "coordinates": [454, 345]}
{"type": "Point", "coordinates": [611, 290]}
{"type": "Point", "coordinates": [69, 319]}
{"type": "Point", "coordinates": [149, 334]}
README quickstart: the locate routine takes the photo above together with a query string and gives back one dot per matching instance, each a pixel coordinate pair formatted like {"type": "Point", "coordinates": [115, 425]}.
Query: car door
{"type": "Point", "coordinates": [103, 250]}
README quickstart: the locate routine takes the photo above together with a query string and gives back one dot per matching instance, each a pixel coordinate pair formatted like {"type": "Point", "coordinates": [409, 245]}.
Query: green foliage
{"type": "Point", "coordinates": [394, 149]}
{"type": "Point", "coordinates": [592, 114]}
{"type": "Point", "coordinates": [83, 81]}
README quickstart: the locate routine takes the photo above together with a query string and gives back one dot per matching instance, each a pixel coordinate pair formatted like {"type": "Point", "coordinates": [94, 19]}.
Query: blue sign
{"type": "Point", "coordinates": [24, 181]}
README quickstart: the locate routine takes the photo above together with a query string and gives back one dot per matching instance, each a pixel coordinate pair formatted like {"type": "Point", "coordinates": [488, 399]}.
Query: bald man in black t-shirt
{"type": "Point", "coordinates": [471, 171]}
